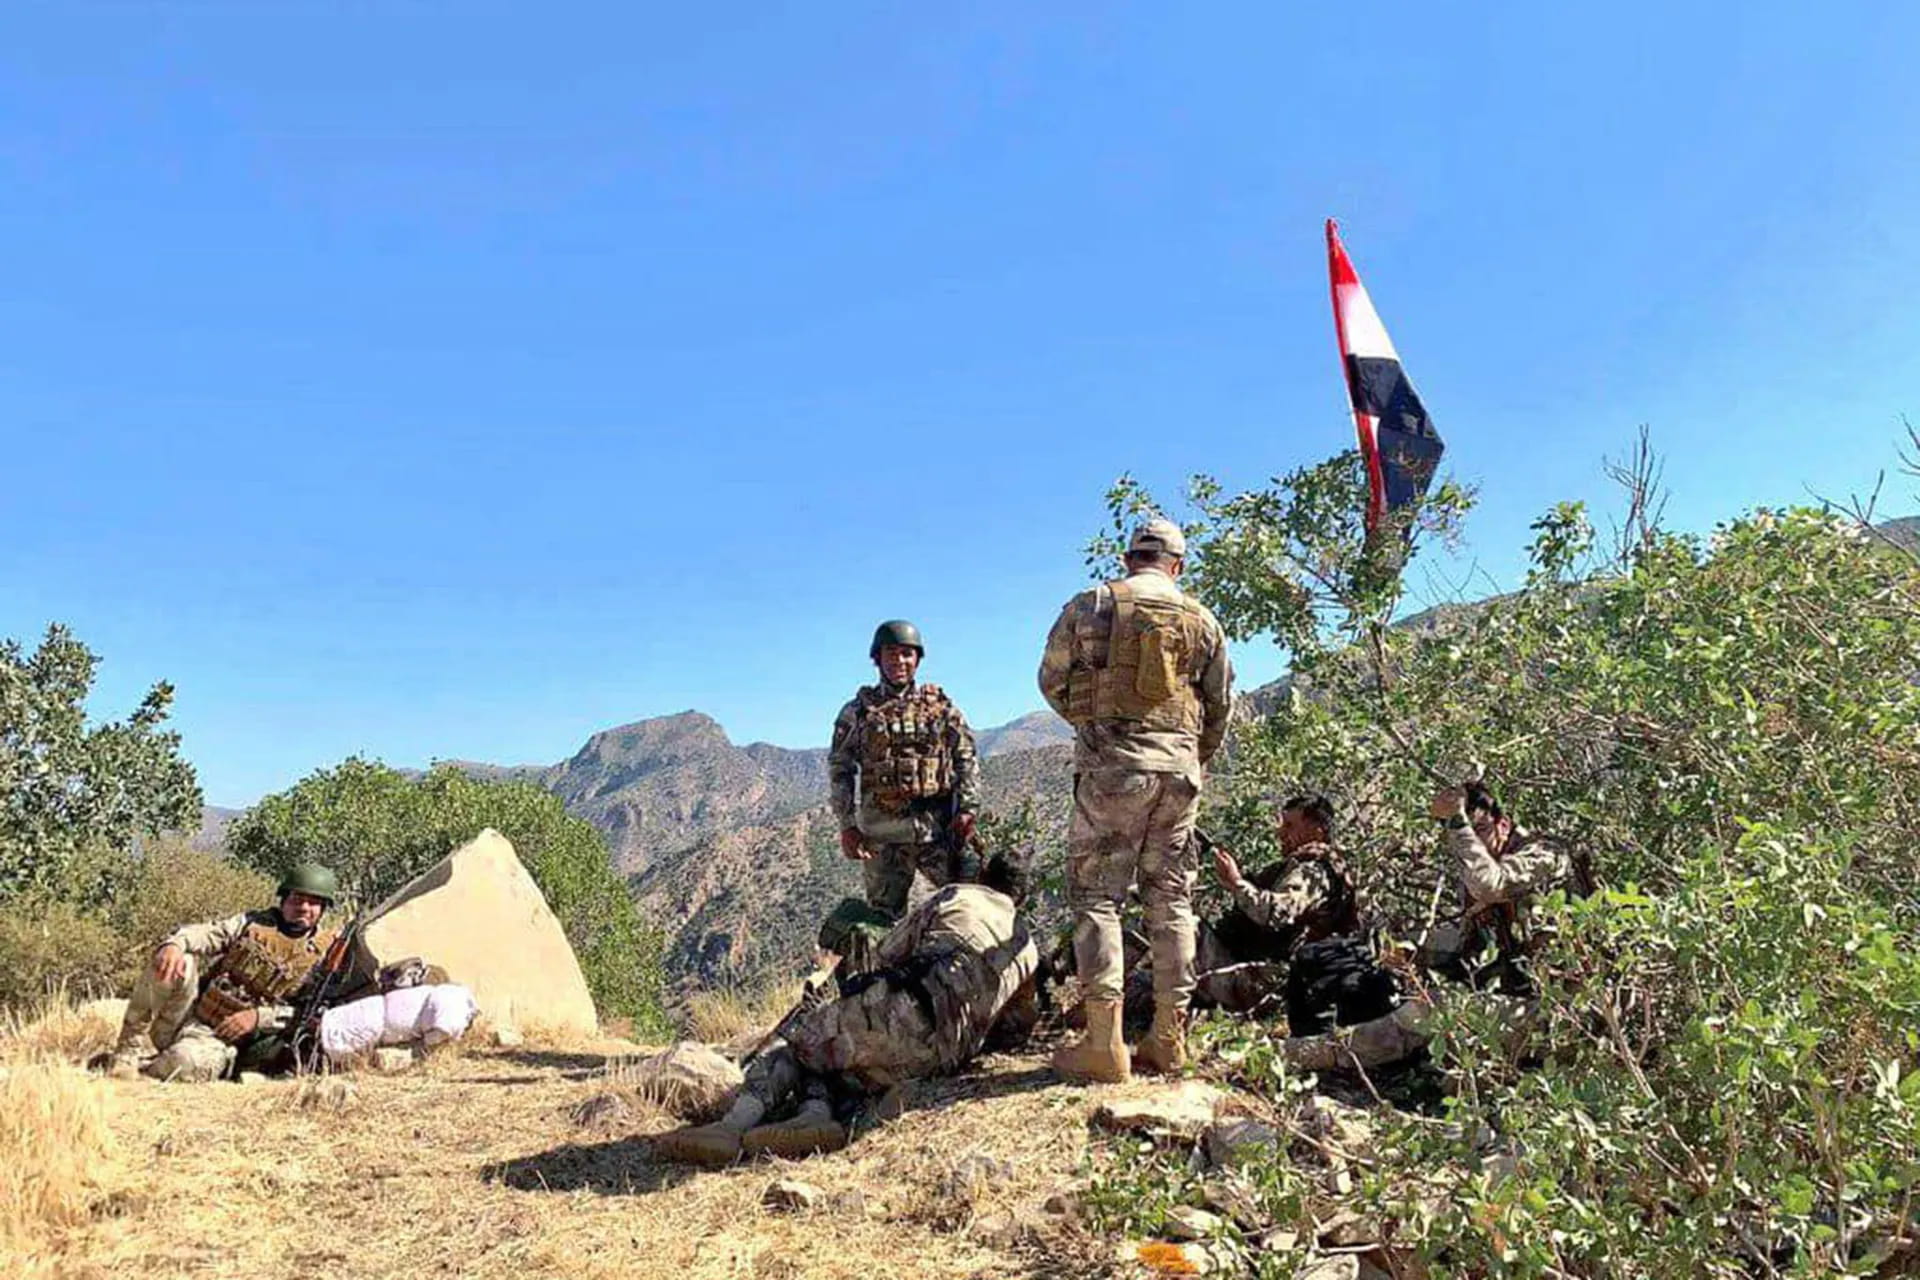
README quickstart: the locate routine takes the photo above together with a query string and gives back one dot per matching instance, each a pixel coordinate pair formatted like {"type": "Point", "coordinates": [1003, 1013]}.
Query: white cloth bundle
{"type": "Point", "coordinates": [430, 1015]}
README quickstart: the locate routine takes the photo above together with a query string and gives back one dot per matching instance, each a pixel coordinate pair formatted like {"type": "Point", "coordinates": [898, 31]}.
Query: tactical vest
{"type": "Point", "coordinates": [906, 746]}
{"type": "Point", "coordinates": [263, 966]}
{"type": "Point", "coordinates": [1155, 650]}
{"type": "Point", "coordinates": [1510, 925]}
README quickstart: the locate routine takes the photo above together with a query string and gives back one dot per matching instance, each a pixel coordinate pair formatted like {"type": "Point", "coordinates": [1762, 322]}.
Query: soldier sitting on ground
{"type": "Point", "coordinates": [1503, 874]}
{"type": "Point", "coordinates": [221, 997]}
{"type": "Point", "coordinates": [946, 977]}
{"type": "Point", "coordinates": [1304, 898]}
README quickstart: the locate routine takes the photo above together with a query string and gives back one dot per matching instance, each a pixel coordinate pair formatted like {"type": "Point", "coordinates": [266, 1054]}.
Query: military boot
{"type": "Point", "coordinates": [1164, 1051]}
{"type": "Point", "coordinates": [713, 1144]}
{"type": "Point", "coordinates": [132, 1053]}
{"type": "Point", "coordinates": [1099, 1056]}
{"type": "Point", "coordinates": [810, 1131]}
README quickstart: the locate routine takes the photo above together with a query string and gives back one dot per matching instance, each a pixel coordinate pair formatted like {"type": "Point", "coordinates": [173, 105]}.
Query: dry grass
{"type": "Point", "coordinates": [59, 1029]}
{"type": "Point", "coordinates": [474, 1165]}
{"type": "Point", "coordinates": [721, 1015]}
{"type": "Point", "coordinates": [56, 1145]}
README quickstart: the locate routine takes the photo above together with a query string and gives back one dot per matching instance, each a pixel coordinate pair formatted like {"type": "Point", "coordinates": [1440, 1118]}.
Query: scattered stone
{"type": "Point", "coordinates": [997, 1229]}
{"type": "Point", "coordinates": [1066, 1200]}
{"type": "Point", "coordinates": [691, 1080]}
{"type": "Point", "coordinates": [790, 1195]}
{"type": "Point", "coordinates": [393, 1058]}
{"type": "Point", "coordinates": [1279, 1240]}
{"type": "Point", "coordinates": [1349, 1129]}
{"type": "Point", "coordinates": [603, 1111]}
{"type": "Point", "coordinates": [253, 1077]}
{"type": "Point", "coordinates": [325, 1093]}
{"type": "Point", "coordinates": [1187, 1223]}
{"type": "Point", "coordinates": [1183, 1111]}
{"type": "Point", "coordinates": [1346, 1229]}
{"type": "Point", "coordinates": [507, 1038]}
{"type": "Point", "coordinates": [851, 1203]}
{"type": "Point", "coordinates": [1339, 1266]}
{"type": "Point", "coordinates": [1230, 1194]}
{"type": "Point", "coordinates": [971, 1176]}
{"type": "Point", "coordinates": [1232, 1142]}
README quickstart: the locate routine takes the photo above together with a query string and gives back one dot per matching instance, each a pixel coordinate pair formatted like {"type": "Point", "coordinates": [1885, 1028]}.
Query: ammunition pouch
{"type": "Point", "coordinates": [1155, 649]}
{"type": "Point", "coordinates": [906, 752]}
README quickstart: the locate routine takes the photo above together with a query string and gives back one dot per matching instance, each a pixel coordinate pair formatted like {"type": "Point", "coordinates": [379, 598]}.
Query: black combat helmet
{"type": "Point", "coordinates": [897, 631]}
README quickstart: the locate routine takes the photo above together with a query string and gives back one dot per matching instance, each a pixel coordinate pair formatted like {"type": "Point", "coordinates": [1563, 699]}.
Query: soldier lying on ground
{"type": "Point", "coordinates": [221, 997]}
{"type": "Point", "coordinates": [958, 967]}
{"type": "Point", "coordinates": [1307, 896]}
{"type": "Point", "coordinates": [1503, 873]}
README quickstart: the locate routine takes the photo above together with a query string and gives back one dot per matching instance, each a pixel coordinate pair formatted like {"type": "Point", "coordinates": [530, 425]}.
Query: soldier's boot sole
{"type": "Point", "coordinates": [708, 1145]}
{"type": "Point", "coordinates": [792, 1141]}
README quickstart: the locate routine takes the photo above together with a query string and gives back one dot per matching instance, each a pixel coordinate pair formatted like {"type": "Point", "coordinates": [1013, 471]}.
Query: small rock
{"type": "Point", "coordinates": [1348, 1128]}
{"type": "Point", "coordinates": [1346, 1229]}
{"type": "Point", "coordinates": [603, 1111]}
{"type": "Point", "coordinates": [849, 1204]}
{"type": "Point", "coordinates": [1279, 1240]}
{"type": "Point", "coordinates": [691, 1080]}
{"type": "Point", "coordinates": [1339, 1266]}
{"type": "Point", "coordinates": [253, 1077]}
{"type": "Point", "coordinates": [997, 1229]}
{"type": "Point", "coordinates": [972, 1175]}
{"type": "Point", "coordinates": [325, 1093]}
{"type": "Point", "coordinates": [1187, 1223]}
{"type": "Point", "coordinates": [1231, 1142]}
{"type": "Point", "coordinates": [1231, 1195]}
{"type": "Point", "coordinates": [790, 1195]}
{"type": "Point", "coordinates": [507, 1038]}
{"type": "Point", "coordinates": [1183, 1111]}
{"type": "Point", "coordinates": [392, 1058]}
{"type": "Point", "coordinates": [1065, 1201]}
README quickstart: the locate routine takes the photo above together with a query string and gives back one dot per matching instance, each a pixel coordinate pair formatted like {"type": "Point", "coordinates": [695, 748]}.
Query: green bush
{"type": "Point", "coordinates": [49, 945]}
{"type": "Point", "coordinates": [378, 828]}
{"type": "Point", "coordinates": [1722, 1069]}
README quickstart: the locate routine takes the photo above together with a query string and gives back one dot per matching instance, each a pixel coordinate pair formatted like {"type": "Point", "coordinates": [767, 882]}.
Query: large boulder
{"type": "Point", "coordinates": [479, 915]}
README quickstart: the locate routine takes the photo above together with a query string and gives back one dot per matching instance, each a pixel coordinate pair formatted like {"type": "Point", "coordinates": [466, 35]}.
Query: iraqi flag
{"type": "Point", "coordinates": [1397, 439]}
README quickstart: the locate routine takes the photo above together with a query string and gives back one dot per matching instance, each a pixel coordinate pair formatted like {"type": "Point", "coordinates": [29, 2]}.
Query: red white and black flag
{"type": "Point", "coordinates": [1397, 439]}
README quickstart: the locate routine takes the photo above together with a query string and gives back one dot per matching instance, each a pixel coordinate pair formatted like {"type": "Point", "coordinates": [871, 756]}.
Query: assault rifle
{"type": "Point", "coordinates": [818, 989]}
{"type": "Point", "coordinates": [325, 982]}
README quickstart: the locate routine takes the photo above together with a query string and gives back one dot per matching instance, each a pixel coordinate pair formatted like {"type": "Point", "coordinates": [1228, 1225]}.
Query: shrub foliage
{"type": "Point", "coordinates": [1723, 1077]}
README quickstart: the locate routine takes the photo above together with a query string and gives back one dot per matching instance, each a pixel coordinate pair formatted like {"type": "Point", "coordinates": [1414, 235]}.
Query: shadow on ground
{"type": "Point", "coordinates": [621, 1167]}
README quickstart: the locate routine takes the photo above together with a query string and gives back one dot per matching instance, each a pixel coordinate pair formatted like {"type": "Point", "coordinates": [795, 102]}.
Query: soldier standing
{"type": "Point", "coordinates": [227, 987]}
{"type": "Point", "coordinates": [910, 752]}
{"type": "Point", "coordinates": [1140, 670]}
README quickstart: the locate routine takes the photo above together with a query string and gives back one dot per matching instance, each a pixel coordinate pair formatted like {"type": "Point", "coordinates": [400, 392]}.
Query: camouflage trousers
{"type": "Point", "coordinates": [887, 874]}
{"type": "Point", "coordinates": [1128, 829]}
{"type": "Point", "coordinates": [161, 1014]}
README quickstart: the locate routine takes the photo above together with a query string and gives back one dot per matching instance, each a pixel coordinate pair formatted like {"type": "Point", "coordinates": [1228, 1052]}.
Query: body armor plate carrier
{"type": "Point", "coordinates": [1155, 649]}
{"type": "Point", "coordinates": [263, 966]}
{"type": "Point", "coordinates": [906, 746]}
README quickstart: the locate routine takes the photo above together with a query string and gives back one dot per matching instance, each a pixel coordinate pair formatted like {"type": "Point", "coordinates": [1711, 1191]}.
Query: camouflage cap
{"type": "Point", "coordinates": [1158, 534]}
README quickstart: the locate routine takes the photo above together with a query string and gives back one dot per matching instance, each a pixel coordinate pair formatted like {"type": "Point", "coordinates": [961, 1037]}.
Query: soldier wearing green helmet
{"type": "Point", "coordinates": [226, 991]}
{"type": "Point", "coordinates": [902, 772]}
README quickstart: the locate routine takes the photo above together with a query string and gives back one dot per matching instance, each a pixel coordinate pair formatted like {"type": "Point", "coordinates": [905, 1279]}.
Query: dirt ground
{"type": "Point", "coordinates": [473, 1165]}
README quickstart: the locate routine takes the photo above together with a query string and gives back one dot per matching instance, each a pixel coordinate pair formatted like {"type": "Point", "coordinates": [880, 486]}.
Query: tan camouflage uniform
{"type": "Point", "coordinates": [160, 1017]}
{"type": "Point", "coordinates": [1491, 887]}
{"type": "Point", "coordinates": [1289, 913]}
{"type": "Point", "coordinates": [1136, 794]}
{"type": "Point", "coordinates": [901, 841]}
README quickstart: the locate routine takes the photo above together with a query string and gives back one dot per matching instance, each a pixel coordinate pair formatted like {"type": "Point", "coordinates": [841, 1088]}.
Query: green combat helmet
{"type": "Point", "coordinates": [312, 879]}
{"type": "Point", "coordinates": [897, 631]}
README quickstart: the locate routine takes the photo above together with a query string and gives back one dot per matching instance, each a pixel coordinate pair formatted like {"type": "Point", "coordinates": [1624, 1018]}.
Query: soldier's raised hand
{"type": "Point", "coordinates": [850, 846]}
{"type": "Point", "coordinates": [1449, 802]}
{"type": "Point", "coordinates": [1226, 868]}
{"type": "Point", "coordinates": [170, 963]}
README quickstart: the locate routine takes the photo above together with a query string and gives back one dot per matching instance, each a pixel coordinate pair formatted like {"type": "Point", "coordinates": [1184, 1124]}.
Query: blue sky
{"type": "Point", "coordinates": [453, 381]}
